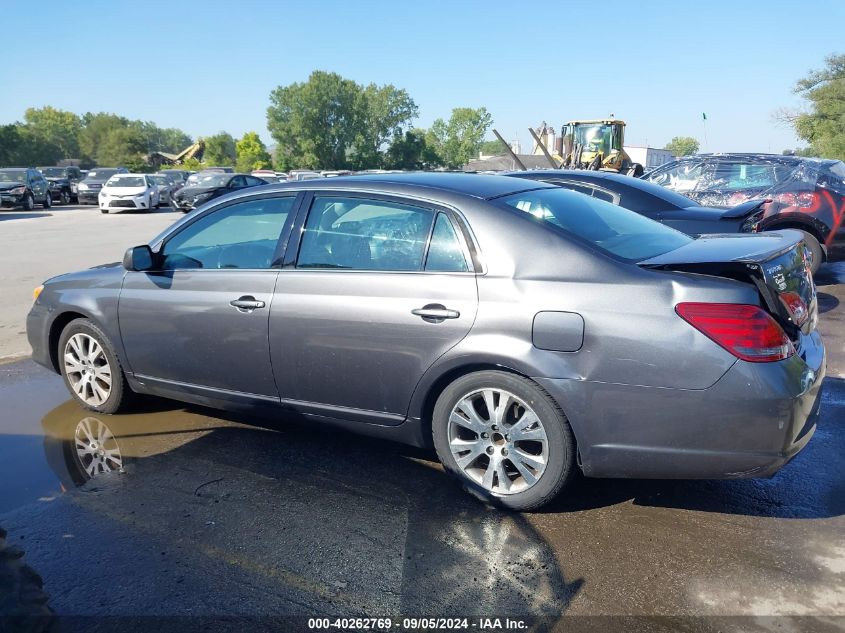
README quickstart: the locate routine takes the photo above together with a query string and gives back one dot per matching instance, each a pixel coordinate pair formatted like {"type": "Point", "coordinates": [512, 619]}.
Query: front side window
{"type": "Point", "coordinates": [243, 235]}
{"type": "Point", "coordinates": [362, 234]}
{"type": "Point", "coordinates": [612, 229]}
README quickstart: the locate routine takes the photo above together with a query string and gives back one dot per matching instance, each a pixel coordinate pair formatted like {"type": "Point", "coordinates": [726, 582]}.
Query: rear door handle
{"type": "Point", "coordinates": [435, 313]}
{"type": "Point", "coordinates": [247, 303]}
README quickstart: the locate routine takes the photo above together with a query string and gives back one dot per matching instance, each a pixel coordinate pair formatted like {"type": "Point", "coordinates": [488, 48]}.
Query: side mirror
{"type": "Point", "coordinates": [138, 258]}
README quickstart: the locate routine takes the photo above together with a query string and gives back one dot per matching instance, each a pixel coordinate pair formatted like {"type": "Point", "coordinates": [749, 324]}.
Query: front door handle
{"type": "Point", "coordinates": [435, 313]}
{"type": "Point", "coordinates": [247, 303]}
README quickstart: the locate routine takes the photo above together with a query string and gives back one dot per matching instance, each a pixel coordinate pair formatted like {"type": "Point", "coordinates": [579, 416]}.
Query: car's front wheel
{"type": "Point", "coordinates": [48, 200]}
{"type": "Point", "coordinates": [505, 438]}
{"type": "Point", "coordinates": [64, 197]}
{"type": "Point", "coordinates": [28, 202]}
{"type": "Point", "coordinates": [90, 368]}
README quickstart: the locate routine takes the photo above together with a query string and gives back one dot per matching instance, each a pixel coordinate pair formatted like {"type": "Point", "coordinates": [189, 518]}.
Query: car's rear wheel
{"type": "Point", "coordinates": [90, 368]}
{"type": "Point", "coordinates": [28, 202]}
{"type": "Point", "coordinates": [505, 438]}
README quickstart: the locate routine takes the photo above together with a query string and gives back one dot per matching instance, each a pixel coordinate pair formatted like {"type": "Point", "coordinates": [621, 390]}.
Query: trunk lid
{"type": "Point", "coordinates": [775, 262]}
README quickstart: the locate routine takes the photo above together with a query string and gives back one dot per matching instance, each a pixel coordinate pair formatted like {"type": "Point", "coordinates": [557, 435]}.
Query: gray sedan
{"type": "Point", "coordinates": [522, 330]}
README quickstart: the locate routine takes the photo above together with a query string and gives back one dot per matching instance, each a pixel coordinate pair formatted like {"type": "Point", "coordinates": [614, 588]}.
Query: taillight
{"type": "Point", "coordinates": [796, 307]}
{"type": "Point", "coordinates": [746, 331]}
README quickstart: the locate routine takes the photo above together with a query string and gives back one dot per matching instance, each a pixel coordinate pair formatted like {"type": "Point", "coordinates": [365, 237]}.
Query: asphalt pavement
{"type": "Point", "coordinates": [204, 514]}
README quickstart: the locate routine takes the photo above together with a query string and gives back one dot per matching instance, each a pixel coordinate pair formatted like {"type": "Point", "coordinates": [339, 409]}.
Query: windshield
{"type": "Point", "coordinates": [616, 231]}
{"type": "Point", "coordinates": [212, 180]}
{"type": "Point", "coordinates": [53, 172]}
{"type": "Point", "coordinates": [126, 181]}
{"type": "Point", "coordinates": [160, 180]}
{"type": "Point", "coordinates": [594, 138]}
{"type": "Point", "coordinates": [12, 175]}
{"type": "Point", "coordinates": [100, 174]}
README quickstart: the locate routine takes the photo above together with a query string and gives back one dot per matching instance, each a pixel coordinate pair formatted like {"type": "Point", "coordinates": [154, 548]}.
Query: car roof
{"type": "Point", "coordinates": [480, 186]}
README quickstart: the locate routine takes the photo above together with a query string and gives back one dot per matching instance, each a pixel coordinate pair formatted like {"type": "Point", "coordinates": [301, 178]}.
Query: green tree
{"type": "Point", "coordinates": [95, 129]}
{"type": "Point", "coordinates": [492, 148]}
{"type": "Point", "coordinates": [459, 140]}
{"type": "Point", "coordinates": [59, 128]}
{"type": "Point", "coordinates": [411, 151]}
{"type": "Point", "coordinates": [315, 123]}
{"type": "Point", "coordinates": [252, 154]}
{"type": "Point", "coordinates": [682, 146]}
{"type": "Point", "coordinates": [10, 143]}
{"type": "Point", "coordinates": [385, 113]}
{"type": "Point", "coordinates": [823, 127]}
{"type": "Point", "coordinates": [123, 147]}
{"type": "Point", "coordinates": [220, 150]}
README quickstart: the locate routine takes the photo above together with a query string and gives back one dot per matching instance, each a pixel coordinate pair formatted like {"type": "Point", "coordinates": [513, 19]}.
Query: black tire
{"type": "Point", "coordinates": [816, 253]}
{"type": "Point", "coordinates": [23, 603]}
{"type": "Point", "coordinates": [64, 198]}
{"type": "Point", "coordinates": [48, 200]}
{"type": "Point", "coordinates": [104, 211]}
{"type": "Point", "coordinates": [561, 463]}
{"type": "Point", "coordinates": [28, 202]}
{"type": "Point", "coordinates": [120, 396]}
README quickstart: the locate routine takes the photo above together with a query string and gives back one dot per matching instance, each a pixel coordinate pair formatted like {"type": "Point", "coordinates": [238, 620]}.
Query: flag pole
{"type": "Point", "coordinates": [704, 123]}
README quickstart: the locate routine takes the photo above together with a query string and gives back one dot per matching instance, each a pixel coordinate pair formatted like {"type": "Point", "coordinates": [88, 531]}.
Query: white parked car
{"type": "Point", "coordinates": [129, 191]}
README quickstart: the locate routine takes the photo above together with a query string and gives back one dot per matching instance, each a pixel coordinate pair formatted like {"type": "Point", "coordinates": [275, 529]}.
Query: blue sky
{"type": "Point", "coordinates": [210, 66]}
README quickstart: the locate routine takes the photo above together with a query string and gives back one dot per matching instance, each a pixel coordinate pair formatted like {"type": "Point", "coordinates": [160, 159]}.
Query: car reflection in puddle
{"type": "Point", "coordinates": [315, 520]}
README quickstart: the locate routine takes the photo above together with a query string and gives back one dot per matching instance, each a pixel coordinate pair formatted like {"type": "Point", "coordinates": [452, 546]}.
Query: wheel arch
{"type": "Point", "coordinates": [56, 328]}
{"type": "Point", "coordinates": [434, 382]}
{"type": "Point", "coordinates": [801, 223]}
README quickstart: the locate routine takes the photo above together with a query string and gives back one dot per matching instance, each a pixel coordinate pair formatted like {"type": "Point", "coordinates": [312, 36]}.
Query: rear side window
{"type": "Point", "coordinates": [445, 253]}
{"type": "Point", "coordinates": [363, 234]}
{"type": "Point", "coordinates": [614, 230]}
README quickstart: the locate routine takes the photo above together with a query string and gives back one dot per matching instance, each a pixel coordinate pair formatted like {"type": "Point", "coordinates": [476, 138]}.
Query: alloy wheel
{"type": "Point", "coordinates": [87, 369]}
{"type": "Point", "coordinates": [96, 447]}
{"type": "Point", "coordinates": [498, 441]}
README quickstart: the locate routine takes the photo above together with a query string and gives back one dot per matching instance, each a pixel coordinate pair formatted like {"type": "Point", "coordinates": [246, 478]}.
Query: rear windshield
{"type": "Point", "coordinates": [616, 231]}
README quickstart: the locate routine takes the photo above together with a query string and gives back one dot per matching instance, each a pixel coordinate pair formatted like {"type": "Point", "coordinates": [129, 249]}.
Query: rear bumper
{"type": "Point", "coordinates": [755, 419]}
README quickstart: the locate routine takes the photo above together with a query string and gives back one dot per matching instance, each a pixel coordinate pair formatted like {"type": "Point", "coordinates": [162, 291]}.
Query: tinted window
{"type": "Point", "coordinates": [681, 176]}
{"type": "Point", "coordinates": [736, 176]}
{"type": "Point", "coordinates": [237, 181]}
{"type": "Point", "coordinates": [444, 252]}
{"type": "Point", "coordinates": [243, 235]}
{"type": "Point", "coordinates": [585, 189]}
{"type": "Point", "coordinates": [252, 181]}
{"type": "Point", "coordinates": [612, 229]}
{"type": "Point", "coordinates": [364, 234]}
{"type": "Point", "coordinates": [604, 195]}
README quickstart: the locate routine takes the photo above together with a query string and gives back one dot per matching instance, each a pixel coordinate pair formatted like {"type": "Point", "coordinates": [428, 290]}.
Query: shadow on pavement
{"type": "Point", "coordinates": [23, 216]}
{"type": "Point", "coordinates": [309, 519]}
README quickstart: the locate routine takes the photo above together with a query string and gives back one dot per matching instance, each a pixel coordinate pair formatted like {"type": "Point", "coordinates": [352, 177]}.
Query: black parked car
{"type": "Point", "coordinates": [89, 189]}
{"type": "Point", "coordinates": [807, 194]}
{"type": "Point", "coordinates": [64, 183]}
{"type": "Point", "coordinates": [653, 201]}
{"type": "Point", "coordinates": [212, 185]}
{"type": "Point", "coordinates": [24, 187]}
